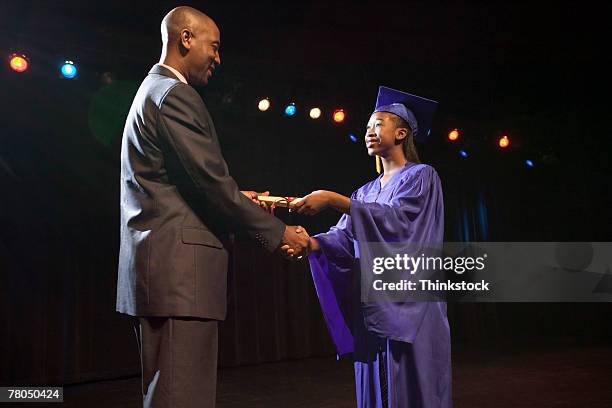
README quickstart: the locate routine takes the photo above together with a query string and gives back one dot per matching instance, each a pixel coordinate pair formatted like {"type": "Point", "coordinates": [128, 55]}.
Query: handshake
{"type": "Point", "coordinates": [296, 242]}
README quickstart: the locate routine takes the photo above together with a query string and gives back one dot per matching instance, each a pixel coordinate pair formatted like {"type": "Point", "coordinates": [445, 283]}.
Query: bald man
{"type": "Point", "coordinates": [178, 204]}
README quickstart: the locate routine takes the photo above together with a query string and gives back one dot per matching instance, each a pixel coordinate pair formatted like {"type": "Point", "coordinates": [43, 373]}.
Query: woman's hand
{"type": "Point", "coordinates": [320, 200]}
{"type": "Point", "coordinates": [313, 245]}
{"type": "Point", "coordinates": [313, 203]}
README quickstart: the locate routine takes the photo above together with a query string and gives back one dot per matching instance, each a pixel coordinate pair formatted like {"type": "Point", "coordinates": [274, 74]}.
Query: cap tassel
{"type": "Point", "coordinates": [378, 164]}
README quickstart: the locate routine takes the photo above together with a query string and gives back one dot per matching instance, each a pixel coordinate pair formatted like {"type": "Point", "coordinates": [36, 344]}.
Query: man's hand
{"type": "Point", "coordinates": [295, 242]}
{"type": "Point", "coordinates": [269, 207]}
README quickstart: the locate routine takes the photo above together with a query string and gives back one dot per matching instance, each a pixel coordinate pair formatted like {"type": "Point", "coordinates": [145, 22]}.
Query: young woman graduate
{"type": "Point", "coordinates": [401, 350]}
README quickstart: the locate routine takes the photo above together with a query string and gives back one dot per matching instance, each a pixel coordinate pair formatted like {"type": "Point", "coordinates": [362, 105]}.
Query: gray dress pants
{"type": "Point", "coordinates": [179, 361]}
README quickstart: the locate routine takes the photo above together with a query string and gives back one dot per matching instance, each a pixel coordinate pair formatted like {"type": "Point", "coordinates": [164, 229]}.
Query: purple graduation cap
{"type": "Point", "coordinates": [418, 112]}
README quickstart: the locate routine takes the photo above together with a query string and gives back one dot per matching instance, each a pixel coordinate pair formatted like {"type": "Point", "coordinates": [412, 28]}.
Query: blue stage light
{"type": "Point", "coordinates": [463, 153]}
{"type": "Point", "coordinates": [290, 109]}
{"type": "Point", "coordinates": [69, 70]}
{"type": "Point", "coordinates": [529, 163]}
{"type": "Point", "coordinates": [353, 138]}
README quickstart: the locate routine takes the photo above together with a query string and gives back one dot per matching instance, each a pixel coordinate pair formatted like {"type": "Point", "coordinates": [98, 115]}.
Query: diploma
{"type": "Point", "coordinates": [280, 201]}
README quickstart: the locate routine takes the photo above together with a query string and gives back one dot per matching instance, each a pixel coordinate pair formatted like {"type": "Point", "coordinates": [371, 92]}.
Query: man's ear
{"type": "Point", "coordinates": [186, 37]}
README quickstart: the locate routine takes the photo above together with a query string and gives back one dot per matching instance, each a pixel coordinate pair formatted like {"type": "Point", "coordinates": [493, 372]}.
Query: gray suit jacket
{"type": "Point", "coordinates": [178, 202]}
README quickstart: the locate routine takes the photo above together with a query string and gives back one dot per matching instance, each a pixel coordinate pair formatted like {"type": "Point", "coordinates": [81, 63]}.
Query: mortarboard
{"type": "Point", "coordinates": [418, 112]}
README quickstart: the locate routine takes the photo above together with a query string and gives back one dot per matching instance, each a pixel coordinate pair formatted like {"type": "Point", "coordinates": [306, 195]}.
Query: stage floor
{"type": "Point", "coordinates": [536, 375]}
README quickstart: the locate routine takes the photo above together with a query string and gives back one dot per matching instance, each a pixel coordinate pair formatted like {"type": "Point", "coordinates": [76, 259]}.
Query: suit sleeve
{"type": "Point", "coordinates": [186, 128]}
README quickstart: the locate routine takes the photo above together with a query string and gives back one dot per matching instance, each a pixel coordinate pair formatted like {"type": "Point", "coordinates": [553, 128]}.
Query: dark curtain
{"type": "Point", "coordinates": [507, 204]}
{"type": "Point", "coordinates": [58, 281]}
{"type": "Point", "coordinates": [59, 235]}
{"type": "Point", "coordinates": [58, 292]}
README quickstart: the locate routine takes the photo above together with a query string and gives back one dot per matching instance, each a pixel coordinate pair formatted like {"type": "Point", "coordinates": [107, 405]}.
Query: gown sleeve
{"type": "Point", "coordinates": [330, 268]}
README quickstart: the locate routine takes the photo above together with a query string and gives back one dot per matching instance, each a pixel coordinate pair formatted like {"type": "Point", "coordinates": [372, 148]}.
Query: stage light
{"type": "Point", "coordinates": [263, 104]}
{"type": "Point", "coordinates": [529, 163]}
{"type": "Point", "coordinates": [453, 135]}
{"type": "Point", "coordinates": [290, 109]}
{"type": "Point", "coordinates": [504, 142]}
{"type": "Point", "coordinates": [353, 138]}
{"type": "Point", "coordinates": [463, 154]}
{"type": "Point", "coordinates": [315, 113]}
{"type": "Point", "coordinates": [68, 70]}
{"type": "Point", "coordinates": [339, 115]}
{"type": "Point", "coordinates": [18, 63]}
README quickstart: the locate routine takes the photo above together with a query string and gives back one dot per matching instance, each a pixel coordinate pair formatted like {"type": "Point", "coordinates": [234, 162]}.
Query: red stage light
{"type": "Point", "coordinates": [453, 135]}
{"type": "Point", "coordinates": [339, 115]}
{"type": "Point", "coordinates": [504, 141]}
{"type": "Point", "coordinates": [18, 63]}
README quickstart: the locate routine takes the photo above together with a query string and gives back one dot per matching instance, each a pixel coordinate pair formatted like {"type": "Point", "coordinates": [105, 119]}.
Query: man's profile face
{"type": "Point", "coordinates": [203, 54]}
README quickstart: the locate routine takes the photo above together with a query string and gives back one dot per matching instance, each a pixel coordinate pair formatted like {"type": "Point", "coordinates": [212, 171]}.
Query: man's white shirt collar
{"type": "Point", "coordinates": [175, 72]}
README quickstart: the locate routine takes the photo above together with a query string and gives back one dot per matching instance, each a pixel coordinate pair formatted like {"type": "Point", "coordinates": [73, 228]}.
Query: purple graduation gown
{"type": "Point", "coordinates": [412, 337]}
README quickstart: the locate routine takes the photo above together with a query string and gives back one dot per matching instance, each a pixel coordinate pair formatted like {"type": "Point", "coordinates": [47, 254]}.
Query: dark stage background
{"type": "Point", "coordinates": [537, 72]}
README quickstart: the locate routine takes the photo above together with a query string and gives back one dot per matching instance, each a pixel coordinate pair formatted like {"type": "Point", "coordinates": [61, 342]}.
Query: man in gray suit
{"type": "Point", "coordinates": [178, 204]}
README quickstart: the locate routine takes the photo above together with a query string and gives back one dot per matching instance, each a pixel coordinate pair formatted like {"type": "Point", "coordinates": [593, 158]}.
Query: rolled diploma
{"type": "Point", "coordinates": [280, 201]}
